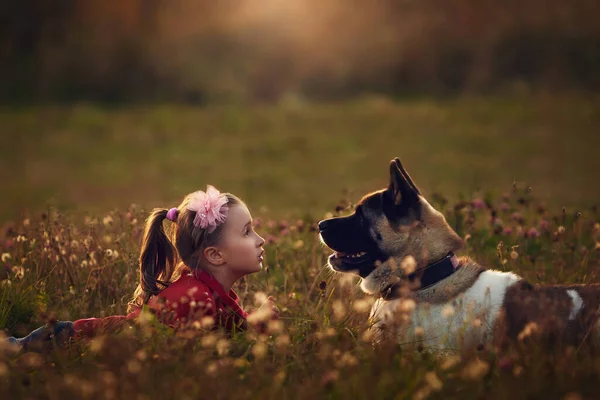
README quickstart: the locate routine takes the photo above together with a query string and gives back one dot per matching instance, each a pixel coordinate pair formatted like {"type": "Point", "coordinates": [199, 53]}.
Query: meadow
{"type": "Point", "coordinates": [515, 176]}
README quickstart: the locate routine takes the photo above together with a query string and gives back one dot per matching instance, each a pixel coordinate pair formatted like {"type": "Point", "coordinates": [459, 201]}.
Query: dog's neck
{"type": "Point", "coordinates": [437, 283]}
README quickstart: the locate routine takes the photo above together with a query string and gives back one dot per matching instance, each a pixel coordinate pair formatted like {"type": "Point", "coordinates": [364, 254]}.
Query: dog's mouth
{"type": "Point", "coordinates": [360, 263]}
{"type": "Point", "coordinates": [350, 258]}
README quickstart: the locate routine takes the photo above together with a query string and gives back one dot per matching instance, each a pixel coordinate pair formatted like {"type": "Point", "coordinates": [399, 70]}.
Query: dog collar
{"type": "Point", "coordinates": [430, 275]}
{"type": "Point", "coordinates": [433, 273]}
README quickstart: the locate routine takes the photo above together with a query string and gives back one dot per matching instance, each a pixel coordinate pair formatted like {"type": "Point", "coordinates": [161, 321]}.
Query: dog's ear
{"type": "Point", "coordinates": [401, 187]}
{"type": "Point", "coordinates": [407, 176]}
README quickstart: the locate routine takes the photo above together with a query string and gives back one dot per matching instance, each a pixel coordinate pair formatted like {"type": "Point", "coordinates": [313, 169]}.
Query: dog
{"type": "Point", "coordinates": [404, 251]}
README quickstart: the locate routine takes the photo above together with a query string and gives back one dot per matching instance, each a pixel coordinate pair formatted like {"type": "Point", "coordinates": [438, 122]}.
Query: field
{"type": "Point", "coordinates": [78, 182]}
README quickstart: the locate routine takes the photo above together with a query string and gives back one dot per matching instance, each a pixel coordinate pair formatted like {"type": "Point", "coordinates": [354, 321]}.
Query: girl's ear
{"type": "Point", "coordinates": [214, 256]}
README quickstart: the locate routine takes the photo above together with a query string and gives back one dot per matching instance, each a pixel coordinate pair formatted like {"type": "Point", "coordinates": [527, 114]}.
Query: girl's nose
{"type": "Point", "coordinates": [261, 241]}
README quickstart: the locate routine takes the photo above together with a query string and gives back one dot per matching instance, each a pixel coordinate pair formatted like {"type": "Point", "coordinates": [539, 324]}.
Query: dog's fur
{"type": "Point", "coordinates": [395, 232]}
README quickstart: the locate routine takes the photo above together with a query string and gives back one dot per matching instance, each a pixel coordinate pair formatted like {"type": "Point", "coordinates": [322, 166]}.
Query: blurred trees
{"type": "Point", "coordinates": [206, 50]}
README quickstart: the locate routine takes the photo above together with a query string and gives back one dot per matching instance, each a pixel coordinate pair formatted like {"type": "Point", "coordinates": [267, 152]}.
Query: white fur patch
{"type": "Point", "coordinates": [466, 320]}
{"type": "Point", "coordinates": [577, 303]}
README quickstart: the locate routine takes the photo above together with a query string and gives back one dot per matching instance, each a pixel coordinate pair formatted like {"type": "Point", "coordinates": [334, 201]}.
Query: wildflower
{"type": "Point", "coordinates": [450, 362]}
{"type": "Point", "coordinates": [261, 315]}
{"type": "Point", "coordinates": [514, 255]}
{"type": "Point", "coordinates": [275, 326]}
{"type": "Point", "coordinates": [530, 329]}
{"type": "Point", "coordinates": [18, 271]}
{"type": "Point", "coordinates": [97, 344]}
{"type": "Point", "coordinates": [505, 363]}
{"type": "Point", "coordinates": [475, 370]}
{"type": "Point", "coordinates": [208, 341]}
{"type": "Point", "coordinates": [222, 346]}
{"type": "Point", "coordinates": [361, 306]}
{"type": "Point", "coordinates": [330, 378]}
{"type": "Point", "coordinates": [259, 350]}
{"type": "Point", "coordinates": [560, 230]}
{"type": "Point", "coordinates": [282, 341]}
{"type": "Point", "coordinates": [419, 331]}
{"type": "Point", "coordinates": [347, 360]}
{"type": "Point", "coordinates": [141, 355]}
{"type": "Point", "coordinates": [532, 232]}
{"type": "Point", "coordinates": [517, 217]}
{"type": "Point", "coordinates": [448, 311]}
{"type": "Point", "coordinates": [108, 220]}
{"type": "Point", "coordinates": [433, 381]}
{"type": "Point", "coordinates": [279, 377]}
{"type": "Point", "coordinates": [407, 305]}
{"type": "Point", "coordinates": [134, 366]}
{"type": "Point", "coordinates": [504, 206]}
{"type": "Point", "coordinates": [339, 309]}
{"type": "Point", "coordinates": [478, 204]}
{"type": "Point", "coordinates": [260, 298]}
{"type": "Point", "coordinates": [298, 244]}
{"type": "Point", "coordinates": [270, 239]}
{"type": "Point", "coordinates": [22, 238]}
{"type": "Point", "coordinates": [367, 336]}
{"type": "Point", "coordinates": [408, 264]}
{"type": "Point", "coordinates": [543, 225]}
{"type": "Point", "coordinates": [31, 360]}
{"type": "Point", "coordinates": [6, 257]}
{"type": "Point", "coordinates": [518, 370]}
{"type": "Point", "coordinates": [346, 280]}
{"type": "Point", "coordinates": [507, 231]}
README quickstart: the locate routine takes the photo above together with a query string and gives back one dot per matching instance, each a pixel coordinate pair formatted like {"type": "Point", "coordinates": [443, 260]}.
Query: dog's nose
{"type": "Point", "coordinates": [323, 224]}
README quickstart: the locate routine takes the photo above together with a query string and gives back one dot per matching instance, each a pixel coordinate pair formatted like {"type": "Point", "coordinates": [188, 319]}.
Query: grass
{"type": "Point", "coordinates": [295, 157]}
{"type": "Point", "coordinates": [292, 164]}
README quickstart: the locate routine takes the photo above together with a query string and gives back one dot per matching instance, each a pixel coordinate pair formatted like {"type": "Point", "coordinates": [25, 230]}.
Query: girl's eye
{"type": "Point", "coordinates": [246, 232]}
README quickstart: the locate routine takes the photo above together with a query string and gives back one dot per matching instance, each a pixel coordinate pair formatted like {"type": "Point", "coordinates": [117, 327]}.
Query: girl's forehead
{"type": "Point", "coordinates": [239, 214]}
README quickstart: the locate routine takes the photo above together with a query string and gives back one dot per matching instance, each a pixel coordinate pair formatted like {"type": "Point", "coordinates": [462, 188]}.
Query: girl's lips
{"type": "Point", "coordinates": [260, 256]}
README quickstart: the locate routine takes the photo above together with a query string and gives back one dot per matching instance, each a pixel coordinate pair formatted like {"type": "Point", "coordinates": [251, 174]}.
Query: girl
{"type": "Point", "coordinates": [188, 277]}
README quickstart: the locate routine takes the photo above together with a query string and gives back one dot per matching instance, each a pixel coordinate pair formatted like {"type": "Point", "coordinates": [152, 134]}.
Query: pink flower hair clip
{"type": "Point", "coordinates": [210, 207]}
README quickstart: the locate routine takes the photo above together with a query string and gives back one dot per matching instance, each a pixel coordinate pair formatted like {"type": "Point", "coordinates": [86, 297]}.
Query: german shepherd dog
{"type": "Point", "coordinates": [404, 251]}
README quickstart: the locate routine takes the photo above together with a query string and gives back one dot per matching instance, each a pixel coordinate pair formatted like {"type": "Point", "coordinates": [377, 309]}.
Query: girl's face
{"type": "Point", "coordinates": [240, 245]}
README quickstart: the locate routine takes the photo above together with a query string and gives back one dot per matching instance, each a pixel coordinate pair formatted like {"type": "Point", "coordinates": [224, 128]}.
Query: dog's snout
{"type": "Point", "coordinates": [323, 224]}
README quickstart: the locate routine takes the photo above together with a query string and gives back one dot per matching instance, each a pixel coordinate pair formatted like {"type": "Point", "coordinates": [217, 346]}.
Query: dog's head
{"type": "Point", "coordinates": [387, 226]}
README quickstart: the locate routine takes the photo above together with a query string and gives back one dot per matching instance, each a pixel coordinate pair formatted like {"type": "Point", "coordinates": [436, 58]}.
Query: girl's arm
{"type": "Point", "coordinates": [90, 327]}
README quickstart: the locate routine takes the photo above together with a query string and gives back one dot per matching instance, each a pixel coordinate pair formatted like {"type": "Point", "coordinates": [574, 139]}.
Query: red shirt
{"type": "Point", "coordinates": [188, 299]}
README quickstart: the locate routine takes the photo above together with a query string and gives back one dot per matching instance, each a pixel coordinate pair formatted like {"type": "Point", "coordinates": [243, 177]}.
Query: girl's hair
{"type": "Point", "coordinates": [162, 257]}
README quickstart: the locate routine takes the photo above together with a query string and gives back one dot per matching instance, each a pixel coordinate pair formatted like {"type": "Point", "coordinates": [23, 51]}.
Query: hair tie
{"type": "Point", "coordinates": [172, 214]}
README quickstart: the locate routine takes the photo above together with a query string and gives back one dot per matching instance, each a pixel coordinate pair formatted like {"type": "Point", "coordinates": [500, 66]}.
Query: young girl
{"type": "Point", "coordinates": [187, 277]}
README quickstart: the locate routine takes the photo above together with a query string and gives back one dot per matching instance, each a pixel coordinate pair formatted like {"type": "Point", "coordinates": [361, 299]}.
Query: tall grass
{"type": "Point", "coordinates": [62, 266]}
